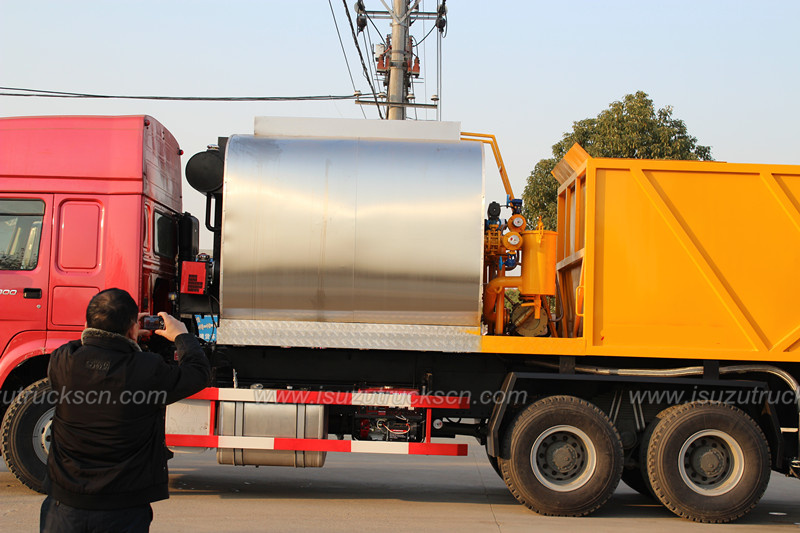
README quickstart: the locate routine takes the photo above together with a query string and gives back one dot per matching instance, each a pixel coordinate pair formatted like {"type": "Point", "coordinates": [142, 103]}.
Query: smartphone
{"type": "Point", "coordinates": [152, 322]}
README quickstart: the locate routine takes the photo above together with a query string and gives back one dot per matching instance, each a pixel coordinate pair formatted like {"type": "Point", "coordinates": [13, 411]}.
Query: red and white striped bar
{"type": "Point", "coordinates": [405, 399]}
{"type": "Point", "coordinates": [398, 399]}
{"type": "Point", "coordinates": [317, 445]}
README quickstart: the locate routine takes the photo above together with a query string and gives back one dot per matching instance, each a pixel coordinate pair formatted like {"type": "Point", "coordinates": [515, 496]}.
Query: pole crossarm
{"type": "Point", "coordinates": [383, 15]}
{"type": "Point", "coordinates": [395, 104]}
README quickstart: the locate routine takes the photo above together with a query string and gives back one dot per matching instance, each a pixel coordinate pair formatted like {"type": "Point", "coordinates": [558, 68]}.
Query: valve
{"type": "Point", "coordinates": [517, 222]}
{"type": "Point", "coordinates": [512, 241]}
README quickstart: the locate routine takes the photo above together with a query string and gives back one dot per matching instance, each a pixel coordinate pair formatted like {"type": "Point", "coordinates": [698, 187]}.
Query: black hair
{"type": "Point", "coordinates": [112, 310]}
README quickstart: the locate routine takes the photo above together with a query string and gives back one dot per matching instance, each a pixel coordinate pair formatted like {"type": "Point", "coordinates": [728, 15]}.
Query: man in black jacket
{"type": "Point", "coordinates": [108, 457]}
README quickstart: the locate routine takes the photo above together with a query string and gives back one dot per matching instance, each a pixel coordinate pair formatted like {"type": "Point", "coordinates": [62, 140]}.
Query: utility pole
{"type": "Point", "coordinates": [397, 64]}
{"type": "Point", "coordinates": [397, 70]}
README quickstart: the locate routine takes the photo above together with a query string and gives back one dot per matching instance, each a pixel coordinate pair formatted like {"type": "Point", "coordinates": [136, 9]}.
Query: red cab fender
{"type": "Point", "coordinates": [30, 344]}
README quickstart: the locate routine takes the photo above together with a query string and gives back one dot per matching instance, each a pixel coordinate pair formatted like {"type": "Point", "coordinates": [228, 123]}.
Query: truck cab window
{"type": "Point", "coordinates": [166, 235]}
{"type": "Point", "coordinates": [20, 231]}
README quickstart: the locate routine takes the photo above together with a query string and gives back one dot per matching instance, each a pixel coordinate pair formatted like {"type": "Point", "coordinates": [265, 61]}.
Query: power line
{"type": "Point", "coordinates": [439, 76]}
{"type": "Point", "coordinates": [361, 56]}
{"type": "Point", "coordinates": [365, 35]}
{"type": "Point", "coordinates": [426, 35]}
{"type": "Point", "coordinates": [424, 59]}
{"type": "Point", "coordinates": [376, 29]}
{"type": "Point", "coordinates": [41, 93]}
{"type": "Point", "coordinates": [349, 73]}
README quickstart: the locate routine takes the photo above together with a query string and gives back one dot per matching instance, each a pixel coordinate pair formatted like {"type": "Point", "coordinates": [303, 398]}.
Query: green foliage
{"type": "Point", "coordinates": [512, 299]}
{"type": "Point", "coordinates": [631, 128]}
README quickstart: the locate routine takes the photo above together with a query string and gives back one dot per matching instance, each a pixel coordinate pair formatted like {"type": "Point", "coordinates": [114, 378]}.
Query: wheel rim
{"type": "Point", "coordinates": [711, 462]}
{"type": "Point", "coordinates": [42, 435]}
{"type": "Point", "coordinates": [563, 458]}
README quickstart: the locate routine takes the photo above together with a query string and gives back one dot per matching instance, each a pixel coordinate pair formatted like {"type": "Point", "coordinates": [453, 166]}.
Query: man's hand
{"type": "Point", "coordinates": [143, 334]}
{"type": "Point", "coordinates": [172, 327]}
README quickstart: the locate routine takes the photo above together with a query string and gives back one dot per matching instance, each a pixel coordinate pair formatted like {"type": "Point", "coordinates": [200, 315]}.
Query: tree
{"type": "Point", "coordinates": [630, 128]}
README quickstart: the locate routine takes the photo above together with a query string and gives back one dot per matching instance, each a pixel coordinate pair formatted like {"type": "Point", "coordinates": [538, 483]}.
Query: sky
{"type": "Point", "coordinates": [524, 71]}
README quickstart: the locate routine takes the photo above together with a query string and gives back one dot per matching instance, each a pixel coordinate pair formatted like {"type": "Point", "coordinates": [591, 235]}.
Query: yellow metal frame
{"type": "Point", "coordinates": [486, 138]}
{"type": "Point", "coordinates": [663, 192]}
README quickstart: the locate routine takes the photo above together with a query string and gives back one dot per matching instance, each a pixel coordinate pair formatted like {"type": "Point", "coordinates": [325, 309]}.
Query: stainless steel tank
{"type": "Point", "coordinates": [350, 231]}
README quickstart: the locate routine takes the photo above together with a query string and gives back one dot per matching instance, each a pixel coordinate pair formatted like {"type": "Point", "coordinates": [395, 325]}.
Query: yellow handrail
{"type": "Point", "coordinates": [491, 140]}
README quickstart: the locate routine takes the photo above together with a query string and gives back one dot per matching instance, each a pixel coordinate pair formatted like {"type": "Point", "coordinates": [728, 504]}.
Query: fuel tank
{"type": "Point", "coordinates": [351, 222]}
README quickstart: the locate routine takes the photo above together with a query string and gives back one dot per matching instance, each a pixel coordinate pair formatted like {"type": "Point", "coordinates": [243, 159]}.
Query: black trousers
{"type": "Point", "coordinates": [55, 517]}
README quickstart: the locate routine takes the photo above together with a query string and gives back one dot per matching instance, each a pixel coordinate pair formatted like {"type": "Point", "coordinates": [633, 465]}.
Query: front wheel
{"type": "Point", "coordinates": [26, 434]}
{"type": "Point", "coordinates": [708, 462]}
{"type": "Point", "coordinates": [561, 457]}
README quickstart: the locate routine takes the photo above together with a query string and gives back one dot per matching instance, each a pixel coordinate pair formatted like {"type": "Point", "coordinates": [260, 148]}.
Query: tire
{"type": "Point", "coordinates": [493, 462]}
{"type": "Point", "coordinates": [561, 457]}
{"type": "Point", "coordinates": [26, 434]}
{"type": "Point", "coordinates": [637, 478]}
{"type": "Point", "coordinates": [708, 462]}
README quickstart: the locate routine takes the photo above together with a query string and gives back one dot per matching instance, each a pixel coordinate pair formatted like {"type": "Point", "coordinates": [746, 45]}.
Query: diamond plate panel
{"type": "Point", "coordinates": [348, 335]}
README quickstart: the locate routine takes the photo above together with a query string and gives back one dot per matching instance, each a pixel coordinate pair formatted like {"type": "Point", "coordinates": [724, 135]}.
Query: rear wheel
{"type": "Point", "coordinates": [708, 462]}
{"type": "Point", "coordinates": [637, 478]}
{"type": "Point", "coordinates": [561, 457]}
{"type": "Point", "coordinates": [493, 462]}
{"type": "Point", "coordinates": [26, 434]}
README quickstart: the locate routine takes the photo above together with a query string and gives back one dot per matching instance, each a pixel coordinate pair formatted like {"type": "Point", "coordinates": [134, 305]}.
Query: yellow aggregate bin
{"type": "Point", "coordinates": [689, 259]}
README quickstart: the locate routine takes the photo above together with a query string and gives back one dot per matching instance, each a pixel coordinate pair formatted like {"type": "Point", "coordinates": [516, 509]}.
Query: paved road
{"type": "Point", "coordinates": [387, 493]}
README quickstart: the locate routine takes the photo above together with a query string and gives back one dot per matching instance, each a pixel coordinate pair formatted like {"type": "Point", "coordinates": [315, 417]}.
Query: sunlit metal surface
{"type": "Point", "coordinates": [352, 231]}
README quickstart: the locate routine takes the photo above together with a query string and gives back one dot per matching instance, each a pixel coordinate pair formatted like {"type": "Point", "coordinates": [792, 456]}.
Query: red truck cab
{"type": "Point", "coordinates": [86, 203]}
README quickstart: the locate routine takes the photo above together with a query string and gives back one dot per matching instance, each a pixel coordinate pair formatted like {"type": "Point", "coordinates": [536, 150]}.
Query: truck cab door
{"type": "Point", "coordinates": [84, 261]}
{"type": "Point", "coordinates": [25, 234]}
